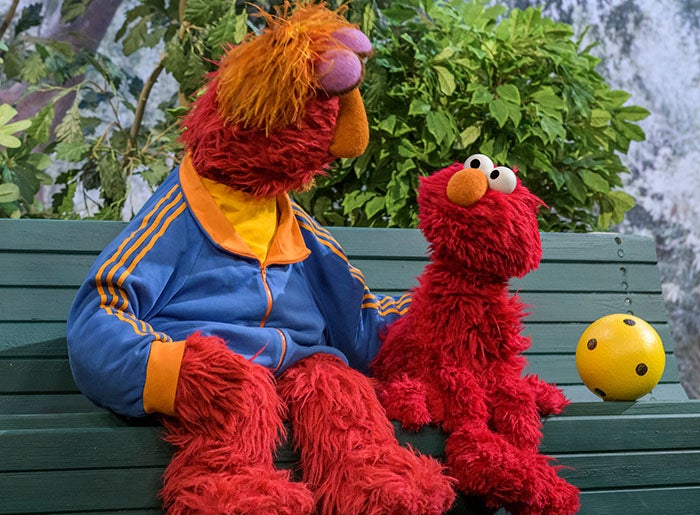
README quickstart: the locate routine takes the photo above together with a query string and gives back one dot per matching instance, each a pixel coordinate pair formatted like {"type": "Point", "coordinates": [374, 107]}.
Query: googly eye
{"type": "Point", "coordinates": [480, 162]}
{"type": "Point", "coordinates": [502, 179]}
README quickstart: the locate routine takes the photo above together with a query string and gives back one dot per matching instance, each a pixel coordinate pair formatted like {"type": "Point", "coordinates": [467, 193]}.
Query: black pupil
{"type": "Point", "coordinates": [495, 174]}
{"type": "Point", "coordinates": [475, 163]}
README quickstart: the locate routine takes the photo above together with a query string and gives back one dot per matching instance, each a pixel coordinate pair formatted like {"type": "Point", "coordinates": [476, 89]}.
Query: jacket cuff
{"type": "Point", "coordinates": [162, 373]}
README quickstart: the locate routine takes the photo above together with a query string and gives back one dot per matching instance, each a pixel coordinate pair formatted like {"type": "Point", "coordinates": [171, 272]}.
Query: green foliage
{"type": "Point", "coordinates": [21, 170]}
{"type": "Point", "coordinates": [449, 79]}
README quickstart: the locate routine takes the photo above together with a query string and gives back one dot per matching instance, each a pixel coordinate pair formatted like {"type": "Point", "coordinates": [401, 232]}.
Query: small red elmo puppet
{"type": "Point", "coordinates": [227, 310]}
{"type": "Point", "coordinates": [455, 358]}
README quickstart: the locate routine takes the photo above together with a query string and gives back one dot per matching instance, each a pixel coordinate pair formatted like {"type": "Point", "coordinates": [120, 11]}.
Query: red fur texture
{"type": "Point", "coordinates": [455, 358]}
{"type": "Point", "coordinates": [225, 434]}
{"type": "Point", "coordinates": [253, 161]}
{"type": "Point", "coordinates": [229, 423]}
{"type": "Point", "coordinates": [350, 457]}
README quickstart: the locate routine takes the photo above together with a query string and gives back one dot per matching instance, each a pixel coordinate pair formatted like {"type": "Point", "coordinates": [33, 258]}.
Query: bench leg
{"type": "Point", "coordinates": [349, 453]}
{"type": "Point", "coordinates": [228, 426]}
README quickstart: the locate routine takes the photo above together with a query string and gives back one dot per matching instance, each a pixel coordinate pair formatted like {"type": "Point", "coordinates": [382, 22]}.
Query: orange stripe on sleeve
{"type": "Point", "coordinates": [162, 373]}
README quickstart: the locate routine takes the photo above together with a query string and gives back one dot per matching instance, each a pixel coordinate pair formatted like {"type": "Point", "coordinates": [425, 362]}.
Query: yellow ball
{"type": "Point", "coordinates": [620, 357]}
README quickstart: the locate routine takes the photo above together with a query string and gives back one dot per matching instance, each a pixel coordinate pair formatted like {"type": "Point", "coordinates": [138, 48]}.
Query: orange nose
{"type": "Point", "coordinates": [467, 186]}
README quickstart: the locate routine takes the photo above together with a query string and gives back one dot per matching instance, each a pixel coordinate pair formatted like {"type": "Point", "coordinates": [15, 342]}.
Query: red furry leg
{"type": "Point", "coordinates": [404, 399]}
{"type": "Point", "coordinates": [227, 429]}
{"type": "Point", "coordinates": [516, 416]}
{"type": "Point", "coordinates": [349, 453]}
{"type": "Point", "coordinates": [487, 465]}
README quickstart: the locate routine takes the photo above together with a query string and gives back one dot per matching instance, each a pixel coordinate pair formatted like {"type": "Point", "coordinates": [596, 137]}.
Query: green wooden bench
{"type": "Point", "coordinates": [60, 454]}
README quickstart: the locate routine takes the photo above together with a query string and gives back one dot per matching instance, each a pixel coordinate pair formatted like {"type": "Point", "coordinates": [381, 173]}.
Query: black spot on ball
{"type": "Point", "coordinates": [641, 369]}
{"type": "Point", "coordinates": [494, 175]}
{"type": "Point", "coordinates": [592, 344]}
{"type": "Point", "coordinates": [600, 392]}
{"type": "Point", "coordinates": [629, 321]}
{"type": "Point", "coordinates": [475, 163]}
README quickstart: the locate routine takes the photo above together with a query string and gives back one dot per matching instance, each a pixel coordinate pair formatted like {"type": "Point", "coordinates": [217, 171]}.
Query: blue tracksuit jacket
{"type": "Point", "coordinates": [179, 267]}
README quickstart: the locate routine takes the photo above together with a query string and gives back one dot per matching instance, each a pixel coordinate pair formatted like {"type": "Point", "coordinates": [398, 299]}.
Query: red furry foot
{"type": "Point", "coordinates": [550, 399]}
{"type": "Point", "coordinates": [554, 495]}
{"type": "Point", "coordinates": [227, 428]}
{"type": "Point", "coordinates": [252, 490]}
{"type": "Point", "coordinates": [487, 465]}
{"type": "Point", "coordinates": [404, 399]}
{"type": "Point", "coordinates": [349, 453]}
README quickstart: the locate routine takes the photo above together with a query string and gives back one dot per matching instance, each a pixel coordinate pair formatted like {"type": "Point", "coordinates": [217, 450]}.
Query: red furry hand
{"type": "Point", "coordinates": [210, 384]}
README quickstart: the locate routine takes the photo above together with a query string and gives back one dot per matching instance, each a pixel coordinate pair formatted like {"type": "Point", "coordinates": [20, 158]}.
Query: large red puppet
{"type": "Point", "coordinates": [227, 308]}
{"type": "Point", "coordinates": [455, 358]}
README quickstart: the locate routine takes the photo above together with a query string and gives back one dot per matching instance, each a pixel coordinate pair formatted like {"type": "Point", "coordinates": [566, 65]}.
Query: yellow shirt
{"type": "Point", "coordinates": [254, 219]}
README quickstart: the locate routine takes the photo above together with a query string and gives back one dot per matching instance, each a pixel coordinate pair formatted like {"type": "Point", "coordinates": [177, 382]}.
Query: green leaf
{"type": "Point", "coordinates": [575, 186]}
{"type": "Point", "coordinates": [374, 206]}
{"type": "Point", "coordinates": [418, 106]}
{"type": "Point", "coordinates": [72, 9]}
{"type": "Point", "coordinates": [632, 113]}
{"type": "Point", "coordinates": [547, 98]}
{"type": "Point", "coordinates": [514, 113]}
{"type": "Point", "coordinates": [552, 128]}
{"type": "Point", "coordinates": [509, 93]}
{"type": "Point", "coordinates": [9, 192]}
{"type": "Point", "coordinates": [481, 95]}
{"type": "Point", "coordinates": [388, 124]}
{"type": "Point", "coordinates": [70, 129]}
{"type": "Point", "coordinates": [468, 136]}
{"type": "Point", "coordinates": [600, 118]}
{"type": "Point", "coordinates": [40, 130]}
{"type": "Point", "coordinates": [499, 110]}
{"type": "Point", "coordinates": [73, 152]}
{"type": "Point", "coordinates": [446, 80]}
{"type": "Point", "coordinates": [595, 181]}
{"type": "Point", "coordinates": [38, 160]}
{"type": "Point", "coordinates": [31, 17]}
{"type": "Point", "coordinates": [439, 126]}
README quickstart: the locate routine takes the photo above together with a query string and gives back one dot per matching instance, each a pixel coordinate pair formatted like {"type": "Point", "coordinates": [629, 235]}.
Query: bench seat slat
{"type": "Point", "coordinates": [681, 500]}
{"type": "Point", "coordinates": [623, 469]}
{"type": "Point", "coordinates": [28, 403]}
{"type": "Point", "coordinates": [75, 490]}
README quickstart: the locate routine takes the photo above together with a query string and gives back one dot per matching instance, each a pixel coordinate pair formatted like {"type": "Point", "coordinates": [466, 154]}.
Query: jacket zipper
{"type": "Point", "coordinates": [268, 294]}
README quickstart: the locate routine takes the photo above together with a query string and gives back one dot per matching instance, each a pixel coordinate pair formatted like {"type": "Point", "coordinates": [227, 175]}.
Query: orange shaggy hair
{"type": "Point", "coordinates": [265, 82]}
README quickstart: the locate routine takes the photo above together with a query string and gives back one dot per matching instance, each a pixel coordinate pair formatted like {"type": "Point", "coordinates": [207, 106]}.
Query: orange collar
{"type": "Point", "coordinates": [287, 245]}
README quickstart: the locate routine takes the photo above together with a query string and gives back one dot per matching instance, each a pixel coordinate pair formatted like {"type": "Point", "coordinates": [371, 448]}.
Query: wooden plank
{"type": "Point", "coordinates": [566, 247]}
{"type": "Point", "coordinates": [36, 376]}
{"type": "Point", "coordinates": [36, 304]}
{"type": "Point", "coordinates": [597, 433]}
{"type": "Point", "coordinates": [556, 338]}
{"type": "Point", "coordinates": [58, 235]}
{"type": "Point", "coordinates": [681, 500]}
{"type": "Point", "coordinates": [587, 307]}
{"type": "Point", "coordinates": [585, 409]}
{"type": "Point", "coordinates": [630, 469]}
{"type": "Point", "coordinates": [82, 447]}
{"type": "Point", "coordinates": [387, 274]}
{"type": "Point", "coordinates": [80, 490]}
{"type": "Point", "coordinates": [561, 369]}
{"type": "Point", "coordinates": [45, 403]}
{"type": "Point", "coordinates": [43, 269]}
{"type": "Point", "coordinates": [579, 394]}
{"type": "Point", "coordinates": [47, 337]}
